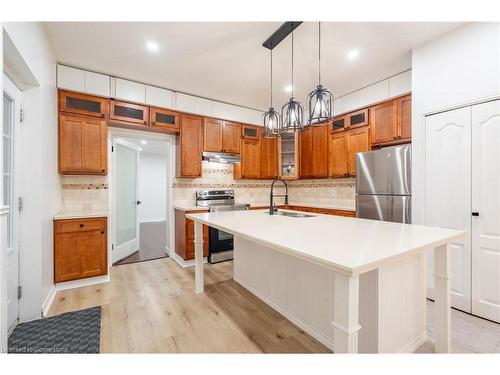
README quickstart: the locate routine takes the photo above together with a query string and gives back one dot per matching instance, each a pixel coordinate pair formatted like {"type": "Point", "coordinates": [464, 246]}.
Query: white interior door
{"type": "Point", "coordinates": [448, 194]}
{"type": "Point", "coordinates": [486, 203]}
{"type": "Point", "coordinates": [11, 119]}
{"type": "Point", "coordinates": [125, 187]}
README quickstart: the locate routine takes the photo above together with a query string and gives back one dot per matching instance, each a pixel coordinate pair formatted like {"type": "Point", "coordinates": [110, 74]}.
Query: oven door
{"type": "Point", "coordinates": [219, 240]}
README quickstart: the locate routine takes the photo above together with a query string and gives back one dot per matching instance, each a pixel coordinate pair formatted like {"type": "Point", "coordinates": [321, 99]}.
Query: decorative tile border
{"type": "Point", "coordinates": [261, 185]}
{"type": "Point", "coordinates": [85, 186]}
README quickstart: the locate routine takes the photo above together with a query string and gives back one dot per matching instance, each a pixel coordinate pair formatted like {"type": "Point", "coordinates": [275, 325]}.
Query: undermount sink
{"type": "Point", "coordinates": [291, 214]}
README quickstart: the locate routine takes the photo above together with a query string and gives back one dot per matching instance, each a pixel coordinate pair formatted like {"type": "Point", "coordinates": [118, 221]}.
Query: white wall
{"type": "Point", "coordinates": [460, 67]}
{"type": "Point", "coordinates": [152, 187]}
{"type": "Point", "coordinates": [39, 180]}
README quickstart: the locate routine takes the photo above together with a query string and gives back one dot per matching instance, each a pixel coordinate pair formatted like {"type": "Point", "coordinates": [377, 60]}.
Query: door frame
{"type": "Point", "coordinates": [136, 241]}
{"type": "Point", "coordinates": [170, 141]}
{"type": "Point", "coordinates": [14, 92]}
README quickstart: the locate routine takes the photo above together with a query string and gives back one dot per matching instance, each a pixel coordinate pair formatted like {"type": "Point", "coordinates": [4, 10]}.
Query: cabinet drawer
{"type": "Point", "coordinates": [79, 225]}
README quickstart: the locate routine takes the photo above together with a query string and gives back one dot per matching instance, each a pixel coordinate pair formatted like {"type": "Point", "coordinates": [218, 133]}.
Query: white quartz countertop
{"type": "Point", "coordinates": [350, 245]}
{"type": "Point", "coordinates": [80, 214]}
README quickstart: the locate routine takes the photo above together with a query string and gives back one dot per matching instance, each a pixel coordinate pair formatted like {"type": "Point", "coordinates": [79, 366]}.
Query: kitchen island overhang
{"type": "Point", "coordinates": [385, 259]}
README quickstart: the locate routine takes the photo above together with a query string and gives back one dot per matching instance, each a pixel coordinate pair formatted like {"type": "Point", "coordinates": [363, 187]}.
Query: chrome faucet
{"type": "Point", "coordinates": [273, 209]}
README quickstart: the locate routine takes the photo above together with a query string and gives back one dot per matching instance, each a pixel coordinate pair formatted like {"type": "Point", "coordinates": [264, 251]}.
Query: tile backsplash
{"type": "Point", "coordinates": [88, 193]}
{"type": "Point", "coordinates": [84, 193]}
{"type": "Point", "coordinates": [220, 176]}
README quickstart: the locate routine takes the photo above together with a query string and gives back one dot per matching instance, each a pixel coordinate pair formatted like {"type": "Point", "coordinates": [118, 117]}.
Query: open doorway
{"type": "Point", "coordinates": [140, 194]}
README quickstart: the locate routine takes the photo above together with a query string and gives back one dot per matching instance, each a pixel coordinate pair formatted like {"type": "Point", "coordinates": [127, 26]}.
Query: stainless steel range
{"type": "Point", "coordinates": [220, 247]}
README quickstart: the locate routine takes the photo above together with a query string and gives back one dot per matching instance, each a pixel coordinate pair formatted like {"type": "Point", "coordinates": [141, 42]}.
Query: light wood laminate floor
{"type": "Point", "coordinates": [151, 307]}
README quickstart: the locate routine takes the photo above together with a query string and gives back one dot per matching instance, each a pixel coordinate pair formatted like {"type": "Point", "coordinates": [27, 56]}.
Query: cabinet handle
{"type": "Point", "coordinates": [81, 225]}
{"type": "Point", "coordinates": [103, 170]}
{"type": "Point", "coordinates": [475, 214]}
{"type": "Point", "coordinates": [395, 137]}
{"type": "Point", "coordinates": [102, 232]}
{"type": "Point", "coordinates": [145, 122]}
{"type": "Point", "coordinates": [103, 115]}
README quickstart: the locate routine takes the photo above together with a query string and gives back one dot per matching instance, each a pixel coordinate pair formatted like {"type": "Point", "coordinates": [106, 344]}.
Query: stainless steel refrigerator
{"type": "Point", "coordinates": [383, 184]}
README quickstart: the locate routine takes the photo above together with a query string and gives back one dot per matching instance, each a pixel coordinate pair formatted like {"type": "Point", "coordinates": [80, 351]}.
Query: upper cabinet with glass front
{"type": "Point", "coordinates": [82, 104]}
{"type": "Point", "coordinates": [288, 156]}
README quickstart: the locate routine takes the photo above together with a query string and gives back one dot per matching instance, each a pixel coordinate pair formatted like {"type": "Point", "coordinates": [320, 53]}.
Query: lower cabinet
{"type": "Point", "coordinates": [80, 248]}
{"type": "Point", "coordinates": [184, 235]}
{"type": "Point", "coordinates": [319, 210]}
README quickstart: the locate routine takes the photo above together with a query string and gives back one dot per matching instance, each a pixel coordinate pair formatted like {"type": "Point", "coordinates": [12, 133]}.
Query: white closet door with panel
{"type": "Point", "coordinates": [448, 192]}
{"type": "Point", "coordinates": [486, 205]}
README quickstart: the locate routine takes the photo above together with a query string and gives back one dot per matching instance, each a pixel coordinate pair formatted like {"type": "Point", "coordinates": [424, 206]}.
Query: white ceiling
{"type": "Point", "coordinates": [151, 147]}
{"type": "Point", "coordinates": [226, 61]}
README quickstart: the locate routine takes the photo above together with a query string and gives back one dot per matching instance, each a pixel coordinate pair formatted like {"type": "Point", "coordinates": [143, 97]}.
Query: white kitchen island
{"type": "Point", "coordinates": [355, 285]}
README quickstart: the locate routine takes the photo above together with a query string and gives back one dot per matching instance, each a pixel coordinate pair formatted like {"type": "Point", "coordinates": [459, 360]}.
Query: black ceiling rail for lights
{"type": "Point", "coordinates": [280, 34]}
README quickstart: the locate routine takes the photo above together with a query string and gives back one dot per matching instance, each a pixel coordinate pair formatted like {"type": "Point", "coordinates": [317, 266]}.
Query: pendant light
{"type": "Point", "coordinates": [291, 112]}
{"type": "Point", "coordinates": [271, 118]}
{"type": "Point", "coordinates": [320, 100]}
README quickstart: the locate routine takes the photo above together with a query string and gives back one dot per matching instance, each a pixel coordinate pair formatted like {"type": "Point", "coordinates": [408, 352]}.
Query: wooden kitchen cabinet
{"type": "Point", "coordinates": [343, 148]}
{"type": "Point", "coordinates": [350, 120]}
{"type": "Point", "coordinates": [390, 122]}
{"type": "Point", "coordinates": [268, 158]}
{"type": "Point", "coordinates": [82, 145]}
{"type": "Point", "coordinates": [189, 146]}
{"type": "Point", "coordinates": [80, 248]}
{"type": "Point", "coordinates": [164, 120]}
{"type": "Point", "coordinates": [337, 154]}
{"type": "Point", "coordinates": [288, 156]}
{"type": "Point", "coordinates": [221, 136]}
{"type": "Point", "coordinates": [404, 118]}
{"type": "Point", "coordinates": [231, 136]}
{"type": "Point", "coordinates": [123, 113]}
{"type": "Point", "coordinates": [314, 151]}
{"type": "Point", "coordinates": [82, 104]}
{"type": "Point", "coordinates": [184, 235]}
{"type": "Point", "coordinates": [251, 155]}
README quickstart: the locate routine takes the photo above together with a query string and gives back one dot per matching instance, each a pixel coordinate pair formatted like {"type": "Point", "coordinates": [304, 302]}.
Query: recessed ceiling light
{"type": "Point", "coordinates": [353, 54]}
{"type": "Point", "coordinates": [143, 142]}
{"type": "Point", "coordinates": [288, 88]}
{"type": "Point", "coordinates": [152, 46]}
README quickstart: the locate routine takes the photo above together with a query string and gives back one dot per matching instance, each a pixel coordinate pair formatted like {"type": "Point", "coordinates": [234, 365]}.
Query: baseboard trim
{"type": "Point", "coordinates": [184, 263]}
{"type": "Point", "coordinates": [81, 283]}
{"type": "Point", "coordinates": [48, 301]}
{"type": "Point", "coordinates": [415, 343]}
{"type": "Point", "coordinates": [294, 319]}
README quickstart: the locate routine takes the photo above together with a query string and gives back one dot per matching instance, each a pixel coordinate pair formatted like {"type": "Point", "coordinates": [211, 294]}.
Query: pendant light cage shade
{"type": "Point", "coordinates": [272, 123]}
{"type": "Point", "coordinates": [320, 103]}
{"type": "Point", "coordinates": [292, 116]}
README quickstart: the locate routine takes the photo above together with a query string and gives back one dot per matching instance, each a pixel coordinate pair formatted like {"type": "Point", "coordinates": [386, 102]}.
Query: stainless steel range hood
{"type": "Point", "coordinates": [221, 157]}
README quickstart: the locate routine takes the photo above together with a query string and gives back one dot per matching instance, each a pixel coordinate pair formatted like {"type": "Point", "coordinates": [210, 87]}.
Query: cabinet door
{"type": "Point", "coordinates": [337, 151]}
{"type": "Point", "coordinates": [92, 253]}
{"type": "Point", "coordinates": [268, 158]}
{"type": "Point", "coordinates": [82, 145]}
{"type": "Point", "coordinates": [448, 194]}
{"type": "Point", "coordinates": [81, 104]}
{"type": "Point", "coordinates": [486, 202]}
{"type": "Point", "coordinates": [250, 132]}
{"type": "Point", "coordinates": [190, 146]}
{"type": "Point", "coordinates": [339, 123]}
{"type": "Point", "coordinates": [384, 122]}
{"type": "Point", "coordinates": [212, 134]}
{"type": "Point", "coordinates": [128, 90]}
{"type": "Point", "coordinates": [320, 151]}
{"type": "Point", "coordinates": [164, 120]}
{"type": "Point", "coordinates": [66, 260]}
{"type": "Point", "coordinates": [70, 78]}
{"type": "Point", "coordinates": [404, 118]}
{"type": "Point", "coordinates": [306, 152]}
{"type": "Point", "coordinates": [128, 113]}
{"type": "Point", "coordinates": [358, 141]}
{"type": "Point", "coordinates": [231, 137]}
{"type": "Point", "coordinates": [358, 118]}
{"type": "Point", "coordinates": [97, 84]}
{"type": "Point", "coordinates": [250, 157]}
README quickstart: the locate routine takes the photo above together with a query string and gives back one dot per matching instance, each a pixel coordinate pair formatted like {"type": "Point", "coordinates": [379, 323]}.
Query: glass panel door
{"type": "Point", "coordinates": [125, 185]}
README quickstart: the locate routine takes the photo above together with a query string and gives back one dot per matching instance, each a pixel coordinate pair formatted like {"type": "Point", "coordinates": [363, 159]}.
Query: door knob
{"type": "Point", "coordinates": [138, 202]}
{"type": "Point", "coordinates": [475, 214]}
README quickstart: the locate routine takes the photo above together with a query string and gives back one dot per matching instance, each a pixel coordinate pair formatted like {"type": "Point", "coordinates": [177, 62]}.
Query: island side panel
{"type": "Point", "coordinates": [302, 291]}
{"type": "Point", "coordinates": [442, 310]}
